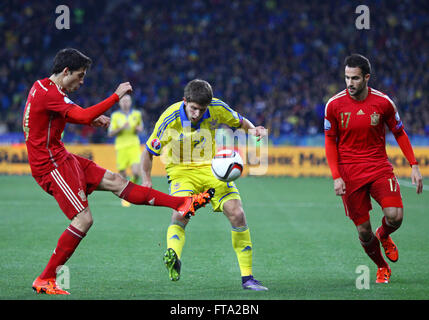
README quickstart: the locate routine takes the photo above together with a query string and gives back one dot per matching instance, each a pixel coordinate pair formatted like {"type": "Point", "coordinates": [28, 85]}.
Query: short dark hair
{"type": "Point", "coordinates": [358, 61]}
{"type": "Point", "coordinates": [199, 91]}
{"type": "Point", "coordinates": [71, 58]}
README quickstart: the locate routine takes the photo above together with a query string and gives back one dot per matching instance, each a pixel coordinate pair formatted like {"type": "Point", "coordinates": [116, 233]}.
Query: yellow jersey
{"type": "Point", "coordinates": [127, 137]}
{"type": "Point", "coordinates": [191, 145]}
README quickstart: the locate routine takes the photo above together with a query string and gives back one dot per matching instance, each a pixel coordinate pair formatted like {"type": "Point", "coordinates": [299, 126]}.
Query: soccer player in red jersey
{"type": "Point", "coordinates": [355, 121]}
{"type": "Point", "coordinates": [70, 178]}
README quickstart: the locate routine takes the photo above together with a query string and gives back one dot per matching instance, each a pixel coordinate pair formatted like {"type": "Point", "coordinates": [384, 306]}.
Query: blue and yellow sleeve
{"type": "Point", "coordinates": [158, 139]}
{"type": "Point", "coordinates": [226, 114]}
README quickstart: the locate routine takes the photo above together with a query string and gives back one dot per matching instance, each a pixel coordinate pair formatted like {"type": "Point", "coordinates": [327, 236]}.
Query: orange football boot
{"type": "Point", "coordinates": [383, 275]}
{"type": "Point", "coordinates": [389, 246]}
{"type": "Point", "coordinates": [48, 286]}
{"type": "Point", "coordinates": [196, 201]}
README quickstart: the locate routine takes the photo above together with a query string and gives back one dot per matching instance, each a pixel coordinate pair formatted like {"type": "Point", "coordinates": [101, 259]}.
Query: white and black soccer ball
{"type": "Point", "coordinates": [227, 165]}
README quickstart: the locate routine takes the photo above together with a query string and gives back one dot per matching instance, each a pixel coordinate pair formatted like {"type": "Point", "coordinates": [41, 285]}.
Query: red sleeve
{"type": "Point", "coordinates": [331, 131]}
{"type": "Point", "coordinates": [58, 102]}
{"type": "Point", "coordinates": [85, 116]}
{"type": "Point", "coordinates": [332, 155]}
{"type": "Point", "coordinates": [393, 120]}
{"type": "Point", "coordinates": [395, 125]}
{"type": "Point", "coordinates": [405, 145]}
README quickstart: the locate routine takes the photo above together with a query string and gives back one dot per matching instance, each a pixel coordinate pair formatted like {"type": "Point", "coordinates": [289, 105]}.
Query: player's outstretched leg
{"type": "Point", "coordinates": [186, 206]}
{"type": "Point", "coordinates": [195, 201]}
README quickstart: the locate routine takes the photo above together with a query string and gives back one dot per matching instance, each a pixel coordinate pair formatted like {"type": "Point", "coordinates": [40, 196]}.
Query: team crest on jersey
{"type": "Point", "coordinates": [375, 119]}
{"type": "Point", "coordinates": [156, 144]}
{"type": "Point", "coordinates": [213, 124]}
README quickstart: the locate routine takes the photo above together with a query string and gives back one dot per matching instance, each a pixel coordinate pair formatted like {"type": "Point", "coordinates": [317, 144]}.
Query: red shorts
{"type": "Point", "coordinates": [383, 187]}
{"type": "Point", "coordinates": [71, 182]}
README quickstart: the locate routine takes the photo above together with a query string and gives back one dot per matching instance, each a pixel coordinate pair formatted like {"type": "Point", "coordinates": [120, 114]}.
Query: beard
{"type": "Point", "coordinates": [357, 92]}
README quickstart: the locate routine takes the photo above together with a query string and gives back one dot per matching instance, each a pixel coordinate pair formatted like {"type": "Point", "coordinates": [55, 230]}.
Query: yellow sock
{"type": "Point", "coordinates": [176, 238]}
{"type": "Point", "coordinates": [243, 249]}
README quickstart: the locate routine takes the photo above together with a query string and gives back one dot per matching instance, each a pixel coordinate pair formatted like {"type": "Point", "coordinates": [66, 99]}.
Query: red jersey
{"type": "Point", "coordinates": [360, 126]}
{"type": "Point", "coordinates": [43, 124]}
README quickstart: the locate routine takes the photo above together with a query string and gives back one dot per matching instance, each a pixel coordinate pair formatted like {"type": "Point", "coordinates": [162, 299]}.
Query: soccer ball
{"type": "Point", "coordinates": [227, 165]}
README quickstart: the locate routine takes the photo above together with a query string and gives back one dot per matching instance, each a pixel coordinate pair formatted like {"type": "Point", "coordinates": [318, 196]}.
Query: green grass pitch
{"type": "Point", "coordinates": [304, 247]}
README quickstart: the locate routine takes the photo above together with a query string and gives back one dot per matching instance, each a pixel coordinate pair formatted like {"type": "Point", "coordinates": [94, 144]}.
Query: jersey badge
{"type": "Point", "coordinates": [213, 124]}
{"type": "Point", "coordinates": [327, 125]}
{"type": "Point", "coordinates": [82, 195]}
{"type": "Point", "coordinates": [67, 100]}
{"type": "Point", "coordinates": [156, 144]}
{"type": "Point", "coordinates": [375, 119]}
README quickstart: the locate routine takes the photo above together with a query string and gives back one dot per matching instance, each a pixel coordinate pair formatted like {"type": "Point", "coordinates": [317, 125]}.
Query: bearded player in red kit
{"type": "Point", "coordinates": [70, 178]}
{"type": "Point", "coordinates": [355, 141]}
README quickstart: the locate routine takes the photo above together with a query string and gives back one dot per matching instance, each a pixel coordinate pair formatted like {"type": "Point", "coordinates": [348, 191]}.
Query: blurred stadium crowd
{"type": "Point", "coordinates": [276, 62]}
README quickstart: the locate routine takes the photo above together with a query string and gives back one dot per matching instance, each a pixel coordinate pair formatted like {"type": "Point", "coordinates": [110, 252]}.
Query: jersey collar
{"type": "Point", "coordinates": [359, 101]}
{"type": "Point", "coordinates": [185, 121]}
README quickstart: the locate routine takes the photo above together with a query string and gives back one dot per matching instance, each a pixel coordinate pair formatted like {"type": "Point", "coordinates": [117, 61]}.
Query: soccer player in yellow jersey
{"type": "Point", "coordinates": [125, 125]}
{"type": "Point", "coordinates": [185, 133]}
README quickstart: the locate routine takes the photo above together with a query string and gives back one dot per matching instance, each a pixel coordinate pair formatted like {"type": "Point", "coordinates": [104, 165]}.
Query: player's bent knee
{"type": "Point", "coordinates": [394, 216]}
{"type": "Point", "coordinates": [236, 216]}
{"type": "Point", "coordinates": [83, 220]}
{"type": "Point", "coordinates": [113, 182]}
{"type": "Point", "coordinates": [364, 231]}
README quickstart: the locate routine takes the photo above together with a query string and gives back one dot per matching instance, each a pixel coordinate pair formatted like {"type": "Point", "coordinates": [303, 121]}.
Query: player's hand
{"type": "Point", "coordinates": [123, 89]}
{"type": "Point", "coordinates": [339, 187]}
{"type": "Point", "coordinates": [101, 121]}
{"type": "Point", "coordinates": [259, 132]}
{"type": "Point", "coordinates": [416, 178]}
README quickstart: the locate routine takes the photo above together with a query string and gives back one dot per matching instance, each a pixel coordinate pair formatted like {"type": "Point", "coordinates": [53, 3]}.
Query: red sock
{"type": "Point", "coordinates": [386, 229]}
{"type": "Point", "coordinates": [372, 249]}
{"type": "Point", "coordinates": [67, 244]}
{"type": "Point", "coordinates": [143, 195]}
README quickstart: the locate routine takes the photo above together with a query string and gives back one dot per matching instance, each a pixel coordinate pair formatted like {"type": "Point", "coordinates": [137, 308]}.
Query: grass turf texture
{"type": "Point", "coordinates": [304, 246]}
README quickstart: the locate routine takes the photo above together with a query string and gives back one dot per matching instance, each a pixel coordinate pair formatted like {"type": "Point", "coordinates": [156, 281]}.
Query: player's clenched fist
{"type": "Point", "coordinates": [101, 121]}
{"type": "Point", "coordinates": [123, 88]}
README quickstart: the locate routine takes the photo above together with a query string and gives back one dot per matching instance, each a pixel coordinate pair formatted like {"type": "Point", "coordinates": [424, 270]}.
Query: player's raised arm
{"type": "Point", "coordinates": [258, 131]}
{"type": "Point", "coordinates": [86, 116]}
